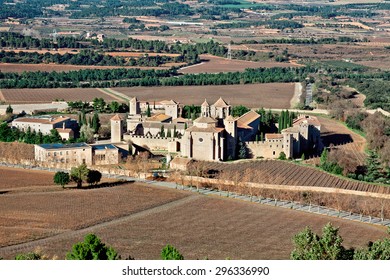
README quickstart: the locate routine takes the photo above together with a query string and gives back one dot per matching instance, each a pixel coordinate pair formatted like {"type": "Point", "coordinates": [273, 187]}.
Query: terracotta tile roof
{"type": "Point", "coordinates": [291, 130]}
{"type": "Point", "coordinates": [244, 126]}
{"type": "Point", "coordinates": [311, 120]}
{"type": "Point", "coordinates": [160, 117]}
{"type": "Point", "coordinates": [205, 103]}
{"type": "Point", "coordinates": [248, 117]}
{"type": "Point", "coordinates": [208, 129]}
{"type": "Point", "coordinates": [116, 118]}
{"type": "Point", "coordinates": [273, 136]}
{"type": "Point", "coordinates": [221, 103]}
{"type": "Point", "coordinates": [205, 120]}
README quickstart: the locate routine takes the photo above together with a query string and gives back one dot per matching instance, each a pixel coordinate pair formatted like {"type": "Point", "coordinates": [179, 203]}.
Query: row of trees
{"type": "Point", "coordinates": [99, 105]}
{"type": "Point", "coordinates": [86, 57]}
{"type": "Point", "coordinates": [310, 246]}
{"type": "Point", "coordinates": [16, 40]}
{"type": "Point", "coordinates": [8, 134]}
{"type": "Point", "coordinates": [99, 78]}
{"type": "Point", "coordinates": [78, 175]}
{"type": "Point", "coordinates": [311, 41]}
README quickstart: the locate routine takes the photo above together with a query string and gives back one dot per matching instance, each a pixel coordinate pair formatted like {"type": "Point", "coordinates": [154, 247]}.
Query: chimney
{"type": "Point", "coordinates": [63, 125]}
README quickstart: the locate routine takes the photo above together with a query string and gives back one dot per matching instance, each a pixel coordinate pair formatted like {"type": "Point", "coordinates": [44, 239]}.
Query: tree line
{"type": "Point", "coordinates": [311, 41]}
{"type": "Point", "coordinates": [329, 246]}
{"type": "Point", "coordinates": [16, 40]}
{"type": "Point", "coordinates": [86, 57]}
{"type": "Point", "coordinates": [103, 78]}
{"type": "Point", "coordinates": [8, 134]}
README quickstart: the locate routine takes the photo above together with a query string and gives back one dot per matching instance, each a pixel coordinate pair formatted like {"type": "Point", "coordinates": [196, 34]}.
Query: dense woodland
{"type": "Point", "coordinates": [86, 57]}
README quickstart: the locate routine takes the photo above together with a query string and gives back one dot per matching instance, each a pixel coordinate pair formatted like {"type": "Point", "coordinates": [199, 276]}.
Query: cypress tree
{"type": "Point", "coordinates": [95, 123]}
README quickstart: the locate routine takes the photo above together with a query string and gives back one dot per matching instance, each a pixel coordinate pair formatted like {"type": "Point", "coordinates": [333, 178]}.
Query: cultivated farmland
{"type": "Point", "coordinates": [52, 211]}
{"type": "Point", "coordinates": [272, 95]}
{"type": "Point", "coordinates": [337, 134]}
{"type": "Point", "coordinates": [49, 95]}
{"type": "Point", "coordinates": [12, 178]}
{"type": "Point", "coordinates": [199, 226]}
{"type": "Point", "coordinates": [288, 174]}
{"type": "Point", "coordinates": [215, 64]}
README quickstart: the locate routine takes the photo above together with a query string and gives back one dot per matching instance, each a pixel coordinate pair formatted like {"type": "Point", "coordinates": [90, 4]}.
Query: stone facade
{"type": "Point", "coordinates": [44, 124]}
{"type": "Point", "coordinates": [77, 154]}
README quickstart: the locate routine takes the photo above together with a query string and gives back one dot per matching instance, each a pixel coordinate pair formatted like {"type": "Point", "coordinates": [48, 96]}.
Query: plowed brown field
{"type": "Point", "coordinates": [272, 95]}
{"type": "Point", "coordinates": [46, 95]}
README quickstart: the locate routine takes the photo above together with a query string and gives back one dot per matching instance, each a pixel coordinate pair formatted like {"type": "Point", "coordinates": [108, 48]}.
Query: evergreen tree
{"type": "Point", "coordinates": [309, 246]}
{"type": "Point", "coordinates": [174, 131]}
{"type": "Point", "coordinates": [95, 122]}
{"type": "Point", "coordinates": [169, 135]}
{"type": "Point", "coordinates": [148, 112]}
{"type": "Point", "coordinates": [9, 110]}
{"type": "Point", "coordinates": [92, 249]}
{"type": "Point", "coordinates": [61, 178]}
{"type": "Point", "coordinates": [171, 253]}
{"type": "Point", "coordinates": [162, 132]}
{"type": "Point", "coordinates": [373, 167]}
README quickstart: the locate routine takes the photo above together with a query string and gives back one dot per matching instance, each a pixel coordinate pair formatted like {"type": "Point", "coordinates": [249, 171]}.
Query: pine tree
{"type": "Point", "coordinates": [174, 131]}
{"type": "Point", "coordinates": [169, 135]}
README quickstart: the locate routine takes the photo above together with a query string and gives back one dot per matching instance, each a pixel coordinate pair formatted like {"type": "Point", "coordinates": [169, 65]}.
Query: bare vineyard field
{"type": "Point", "coordinates": [289, 174]}
{"type": "Point", "coordinates": [208, 227]}
{"type": "Point", "coordinates": [335, 133]}
{"type": "Point", "coordinates": [215, 64]}
{"type": "Point", "coordinates": [19, 68]}
{"type": "Point", "coordinates": [16, 178]}
{"type": "Point", "coordinates": [49, 95]}
{"type": "Point", "coordinates": [272, 95]}
{"type": "Point", "coordinates": [48, 212]}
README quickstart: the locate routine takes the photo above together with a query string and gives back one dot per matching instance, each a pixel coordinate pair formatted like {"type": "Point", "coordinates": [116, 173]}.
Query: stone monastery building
{"type": "Point", "coordinates": [215, 135]}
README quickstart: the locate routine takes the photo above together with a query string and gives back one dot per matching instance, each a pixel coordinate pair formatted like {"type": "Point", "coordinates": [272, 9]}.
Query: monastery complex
{"type": "Point", "coordinates": [214, 136]}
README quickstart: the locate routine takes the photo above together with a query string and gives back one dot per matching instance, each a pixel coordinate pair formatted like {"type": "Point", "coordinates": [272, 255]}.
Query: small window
{"type": "Point", "coordinates": [200, 140]}
{"type": "Point", "coordinates": [273, 152]}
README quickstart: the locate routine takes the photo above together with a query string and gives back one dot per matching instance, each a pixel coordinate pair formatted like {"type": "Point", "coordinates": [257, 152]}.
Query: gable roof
{"type": "Point", "coordinates": [116, 118]}
{"type": "Point", "coordinates": [159, 117]}
{"type": "Point", "coordinates": [221, 103]}
{"type": "Point", "coordinates": [205, 120]}
{"type": "Point", "coordinates": [205, 103]}
{"type": "Point", "coordinates": [311, 120]}
{"type": "Point", "coordinates": [247, 119]}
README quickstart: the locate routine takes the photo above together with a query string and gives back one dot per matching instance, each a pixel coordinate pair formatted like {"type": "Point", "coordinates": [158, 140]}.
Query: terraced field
{"type": "Point", "coordinates": [289, 174]}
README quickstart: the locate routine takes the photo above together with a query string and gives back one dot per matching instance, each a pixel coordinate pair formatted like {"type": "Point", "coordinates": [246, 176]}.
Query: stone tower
{"type": "Point", "coordinates": [172, 109]}
{"type": "Point", "coordinates": [116, 129]}
{"type": "Point", "coordinates": [134, 107]}
{"type": "Point", "coordinates": [230, 124]}
{"type": "Point", "coordinates": [205, 109]}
